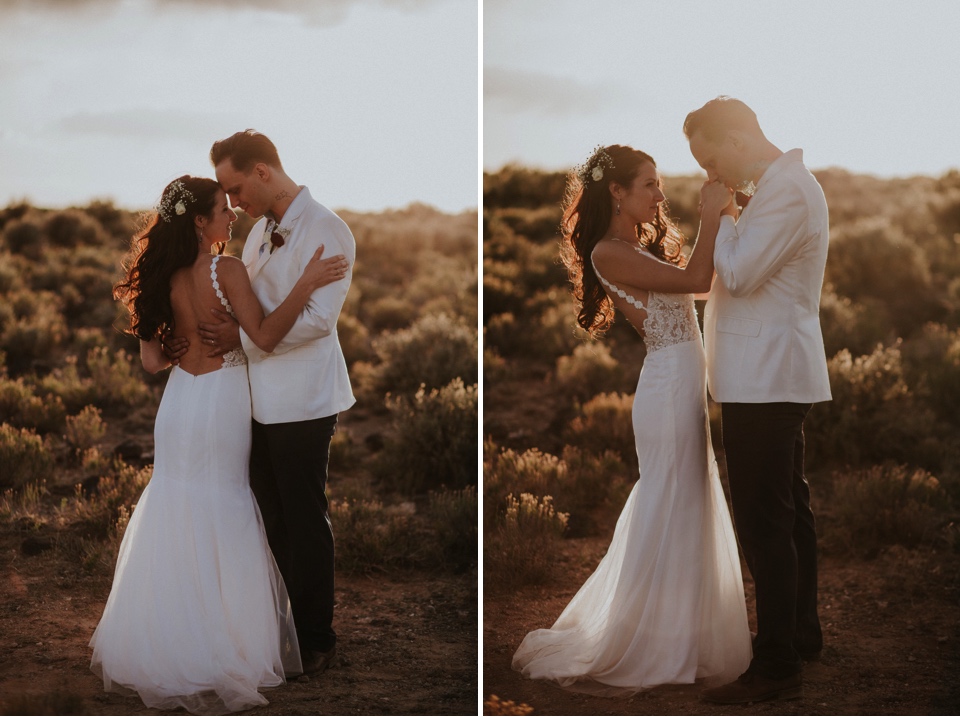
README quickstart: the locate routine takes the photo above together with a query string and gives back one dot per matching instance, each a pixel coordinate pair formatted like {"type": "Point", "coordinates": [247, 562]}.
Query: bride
{"type": "Point", "coordinates": [665, 605]}
{"type": "Point", "coordinates": [198, 616]}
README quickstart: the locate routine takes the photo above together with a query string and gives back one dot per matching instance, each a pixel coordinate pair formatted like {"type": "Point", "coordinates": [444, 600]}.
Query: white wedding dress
{"type": "Point", "coordinates": [665, 605]}
{"type": "Point", "coordinates": [198, 616]}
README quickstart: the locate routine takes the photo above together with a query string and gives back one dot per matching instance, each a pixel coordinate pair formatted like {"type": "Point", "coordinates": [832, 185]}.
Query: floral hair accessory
{"type": "Point", "coordinates": [174, 201]}
{"type": "Point", "coordinates": [592, 169]}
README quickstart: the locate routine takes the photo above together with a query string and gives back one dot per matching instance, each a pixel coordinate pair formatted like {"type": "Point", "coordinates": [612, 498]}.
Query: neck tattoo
{"type": "Point", "coordinates": [282, 195]}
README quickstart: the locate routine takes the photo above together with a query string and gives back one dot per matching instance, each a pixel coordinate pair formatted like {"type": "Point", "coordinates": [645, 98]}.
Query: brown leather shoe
{"type": "Point", "coordinates": [315, 662]}
{"type": "Point", "coordinates": [751, 687]}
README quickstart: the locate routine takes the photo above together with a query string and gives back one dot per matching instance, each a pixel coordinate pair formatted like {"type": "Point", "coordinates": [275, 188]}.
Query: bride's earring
{"type": "Point", "coordinates": [200, 240]}
{"type": "Point", "coordinates": [618, 207]}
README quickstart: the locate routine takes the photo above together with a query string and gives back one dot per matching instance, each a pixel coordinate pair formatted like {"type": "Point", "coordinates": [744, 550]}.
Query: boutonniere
{"type": "Point", "coordinates": [276, 235]}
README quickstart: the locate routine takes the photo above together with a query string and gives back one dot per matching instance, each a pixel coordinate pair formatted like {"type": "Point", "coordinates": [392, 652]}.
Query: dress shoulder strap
{"type": "Point", "coordinates": [216, 285]}
{"type": "Point", "coordinates": [632, 300]}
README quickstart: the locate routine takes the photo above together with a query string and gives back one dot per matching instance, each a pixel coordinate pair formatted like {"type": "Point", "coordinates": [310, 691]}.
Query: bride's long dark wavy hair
{"type": "Point", "coordinates": [586, 217]}
{"type": "Point", "coordinates": [167, 242]}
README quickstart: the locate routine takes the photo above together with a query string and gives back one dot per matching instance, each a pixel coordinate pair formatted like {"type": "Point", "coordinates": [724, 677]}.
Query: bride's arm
{"type": "Point", "coordinates": [624, 266]}
{"type": "Point", "coordinates": [267, 331]}
{"type": "Point", "coordinates": [152, 356]}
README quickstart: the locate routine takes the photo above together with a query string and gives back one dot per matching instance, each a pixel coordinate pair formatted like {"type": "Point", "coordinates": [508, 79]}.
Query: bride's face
{"type": "Point", "coordinates": [639, 201]}
{"type": "Point", "coordinates": [219, 223]}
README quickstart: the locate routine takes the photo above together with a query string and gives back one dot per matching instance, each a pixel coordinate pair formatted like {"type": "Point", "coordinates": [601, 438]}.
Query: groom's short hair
{"type": "Point", "coordinates": [244, 150]}
{"type": "Point", "coordinates": [719, 116]}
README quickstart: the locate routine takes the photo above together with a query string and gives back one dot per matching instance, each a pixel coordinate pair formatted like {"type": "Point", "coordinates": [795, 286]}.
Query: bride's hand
{"type": "Point", "coordinates": [715, 198]}
{"type": "Point", "coordinates": [320, 272]}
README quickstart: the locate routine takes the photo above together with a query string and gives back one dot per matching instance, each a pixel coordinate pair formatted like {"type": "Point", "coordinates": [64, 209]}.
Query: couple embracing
{"type": "Point", "coordinates": [666, 603]}
{"type": "Point", "coordinates": [225, 576]}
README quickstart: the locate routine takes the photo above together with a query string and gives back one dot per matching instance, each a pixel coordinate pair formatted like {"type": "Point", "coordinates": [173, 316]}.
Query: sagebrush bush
{"type": "Point", "coordinates": [882, 506]}
{"type": "Point", "coordinates": [21, 407]}
{"type": "Point", "coordinates": [579, 483]}
{"type": "Point", "coordinates": [874, 415]}
{"type": "Point", "coordinates": [589, 370]}
{"type": "Point", "coordinates": [433, 440]}
{"type": "Point", "coordinates": [452, 516]}
{"type": "Point", "coordinates": [24, 457]}
{"type": "Point", "coordinates": [521, 547]}
{"type": "Point", "coordinates": [605, 423]}
{"type": "Point", "coordinates": [85, 430]}
{"type": "Point", "coordinates": [432, 352]}
{"type": "Point", "coordinates": [371, 537]}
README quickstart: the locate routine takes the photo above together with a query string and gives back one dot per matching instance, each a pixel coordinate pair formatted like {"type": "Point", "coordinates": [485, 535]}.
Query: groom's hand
{"type": "Point", "coordinates": [716, 199]}
{"type": "Point", "coordinates": [220, 336]}
{"type": "Point", "coordinates": [174, 347]}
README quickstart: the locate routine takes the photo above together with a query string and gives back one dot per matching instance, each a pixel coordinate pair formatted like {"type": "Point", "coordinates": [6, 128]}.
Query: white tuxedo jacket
{"type": "Point", "coordinates": [305, 376]}
{"type": "Point", "coordinates": [762, 320]}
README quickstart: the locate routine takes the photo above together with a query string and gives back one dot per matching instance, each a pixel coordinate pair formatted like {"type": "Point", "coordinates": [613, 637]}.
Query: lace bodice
{"type": "Point", "coordinates": [671, 318]}
{"type": "Point", "coordinates": [236, 357]}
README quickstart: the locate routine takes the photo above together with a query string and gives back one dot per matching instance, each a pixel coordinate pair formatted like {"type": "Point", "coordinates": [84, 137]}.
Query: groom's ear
{"type": "Point", "coordinates": [262, 171]}
{"type": "Point", "coordinates": [737, 139]}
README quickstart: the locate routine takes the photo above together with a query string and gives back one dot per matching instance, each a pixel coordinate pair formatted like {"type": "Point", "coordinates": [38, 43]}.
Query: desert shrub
{"type": "Point", "coordinates": [389, 313]}
{"type": "Point", "coordinates": [36, 331]}
{"type": "Point", "coordinates": [874, 416]}
{"type": "Point", "coordinates": [114, 375]}
{"type": "Point", "coordinates": [541, 224]}
{"type": "Point", "coordinates": [24, 457]}
{"type": "Point", "coordinates": [433, 440]}
{"type": "Point", "coordinates": [73, 227]}
{"type": "Point", "coordinates": [20, 407]}
{"type": "Point", "coordinates": [85, 430]}
{"type": "Point", "coordinates": [931, 364]}
{"type": "Point", "coordinates": [96, 511]}
{"type": "Point", "coordinates": [452, 516]}
{"type": "Point", "coordinates": [872, 259]}
{"type": "Point", "coordinates": [432, 352]}
{"type": "Point", "coordinates": [605, 423]}
{"type": "Point", "coordinates": [25, 238]}
{"type": "Point", "coordinates": [343, 451]}
{"type": "Point", "coordinates": [881, 506]}
{"type": "Point", "coordinates": [579, 483]}
{"type": "Point", "coordinates": [509, 472]}
{"type": "Point", "coordinates": [371, 537]}
{"type": "Point", "coordinates": [354, 339]}
{"type": "Point", "coordinates": [590, 370]}
{"type": "Point", "coordinates": [495, 367]}
{"type": "Point", "coordinates": [521, 547]}
{"type": "Point", "coordinates": [856, 326]}
{"type": "Point", "coordinates": [66, 384]}
{"type": "Point", "coordinates": [516, 186]}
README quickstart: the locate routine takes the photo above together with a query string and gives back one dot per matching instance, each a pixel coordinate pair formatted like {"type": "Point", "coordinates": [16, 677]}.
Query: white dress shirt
{"type": "Point", "coordinates": [762, 320]}
{"type": "Point", "coordinates": [305, 377]}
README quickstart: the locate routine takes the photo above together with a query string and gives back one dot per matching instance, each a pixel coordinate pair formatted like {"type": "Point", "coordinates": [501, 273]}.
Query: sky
{"type": "Point", "coordinates": [870, 86]}
{"type": "Point", "coordinates": [373, 104]}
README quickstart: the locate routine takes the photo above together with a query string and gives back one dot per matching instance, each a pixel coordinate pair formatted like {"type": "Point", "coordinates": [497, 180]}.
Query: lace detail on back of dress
{"type": "Point", "coordinates": [671, 318]}
{"type": "Point", "coordinates": [236, 357]}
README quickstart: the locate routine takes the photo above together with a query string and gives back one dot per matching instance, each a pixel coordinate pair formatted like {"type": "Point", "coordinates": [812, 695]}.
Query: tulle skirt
{"type": "Point", "coordinates": [198, 616]}
{"type": "Point", "coordinates": [666, 604]}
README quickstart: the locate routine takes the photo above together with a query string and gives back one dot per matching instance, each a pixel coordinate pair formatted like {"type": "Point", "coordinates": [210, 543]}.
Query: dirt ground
{"type": "Point", "coordinates": [891, 633]}
{"type": "Point", "coordinates": [407, 643]}
{"type": "Point", "coordinates": [407, 640]}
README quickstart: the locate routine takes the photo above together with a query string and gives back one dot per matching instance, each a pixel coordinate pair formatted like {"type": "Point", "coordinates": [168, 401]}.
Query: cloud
{"type": "Point", "coordinates": [521, 91]}
{"type": "Point", "coordinates": [146, 124]}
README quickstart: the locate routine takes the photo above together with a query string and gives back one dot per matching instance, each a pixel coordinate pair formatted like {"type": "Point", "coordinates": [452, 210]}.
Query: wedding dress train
{"type": "Point", "coordinates": [665, 605]}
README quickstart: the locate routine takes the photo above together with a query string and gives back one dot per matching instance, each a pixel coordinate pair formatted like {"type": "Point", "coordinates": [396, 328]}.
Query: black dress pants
{"type": "Point", "coordinates": [763, 443]}
{"type": "Point", "coordinates": [288, 475]}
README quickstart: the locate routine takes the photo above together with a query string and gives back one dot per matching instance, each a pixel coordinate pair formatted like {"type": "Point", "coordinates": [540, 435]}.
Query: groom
{"type": "Point", "coordinates": [298, 389]}
{"type": "Point", "coordinates": [766, 367]}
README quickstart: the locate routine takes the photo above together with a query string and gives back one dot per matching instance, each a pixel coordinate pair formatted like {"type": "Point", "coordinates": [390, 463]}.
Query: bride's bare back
{"type": "Point", "coordinates": [192, 297]}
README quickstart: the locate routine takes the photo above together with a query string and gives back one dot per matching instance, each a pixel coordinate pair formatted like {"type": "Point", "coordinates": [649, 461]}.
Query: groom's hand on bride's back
{"type": "Point", "coordinates": [220, 336]}
{"type": "Point", "coordinates": [174, 347]}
